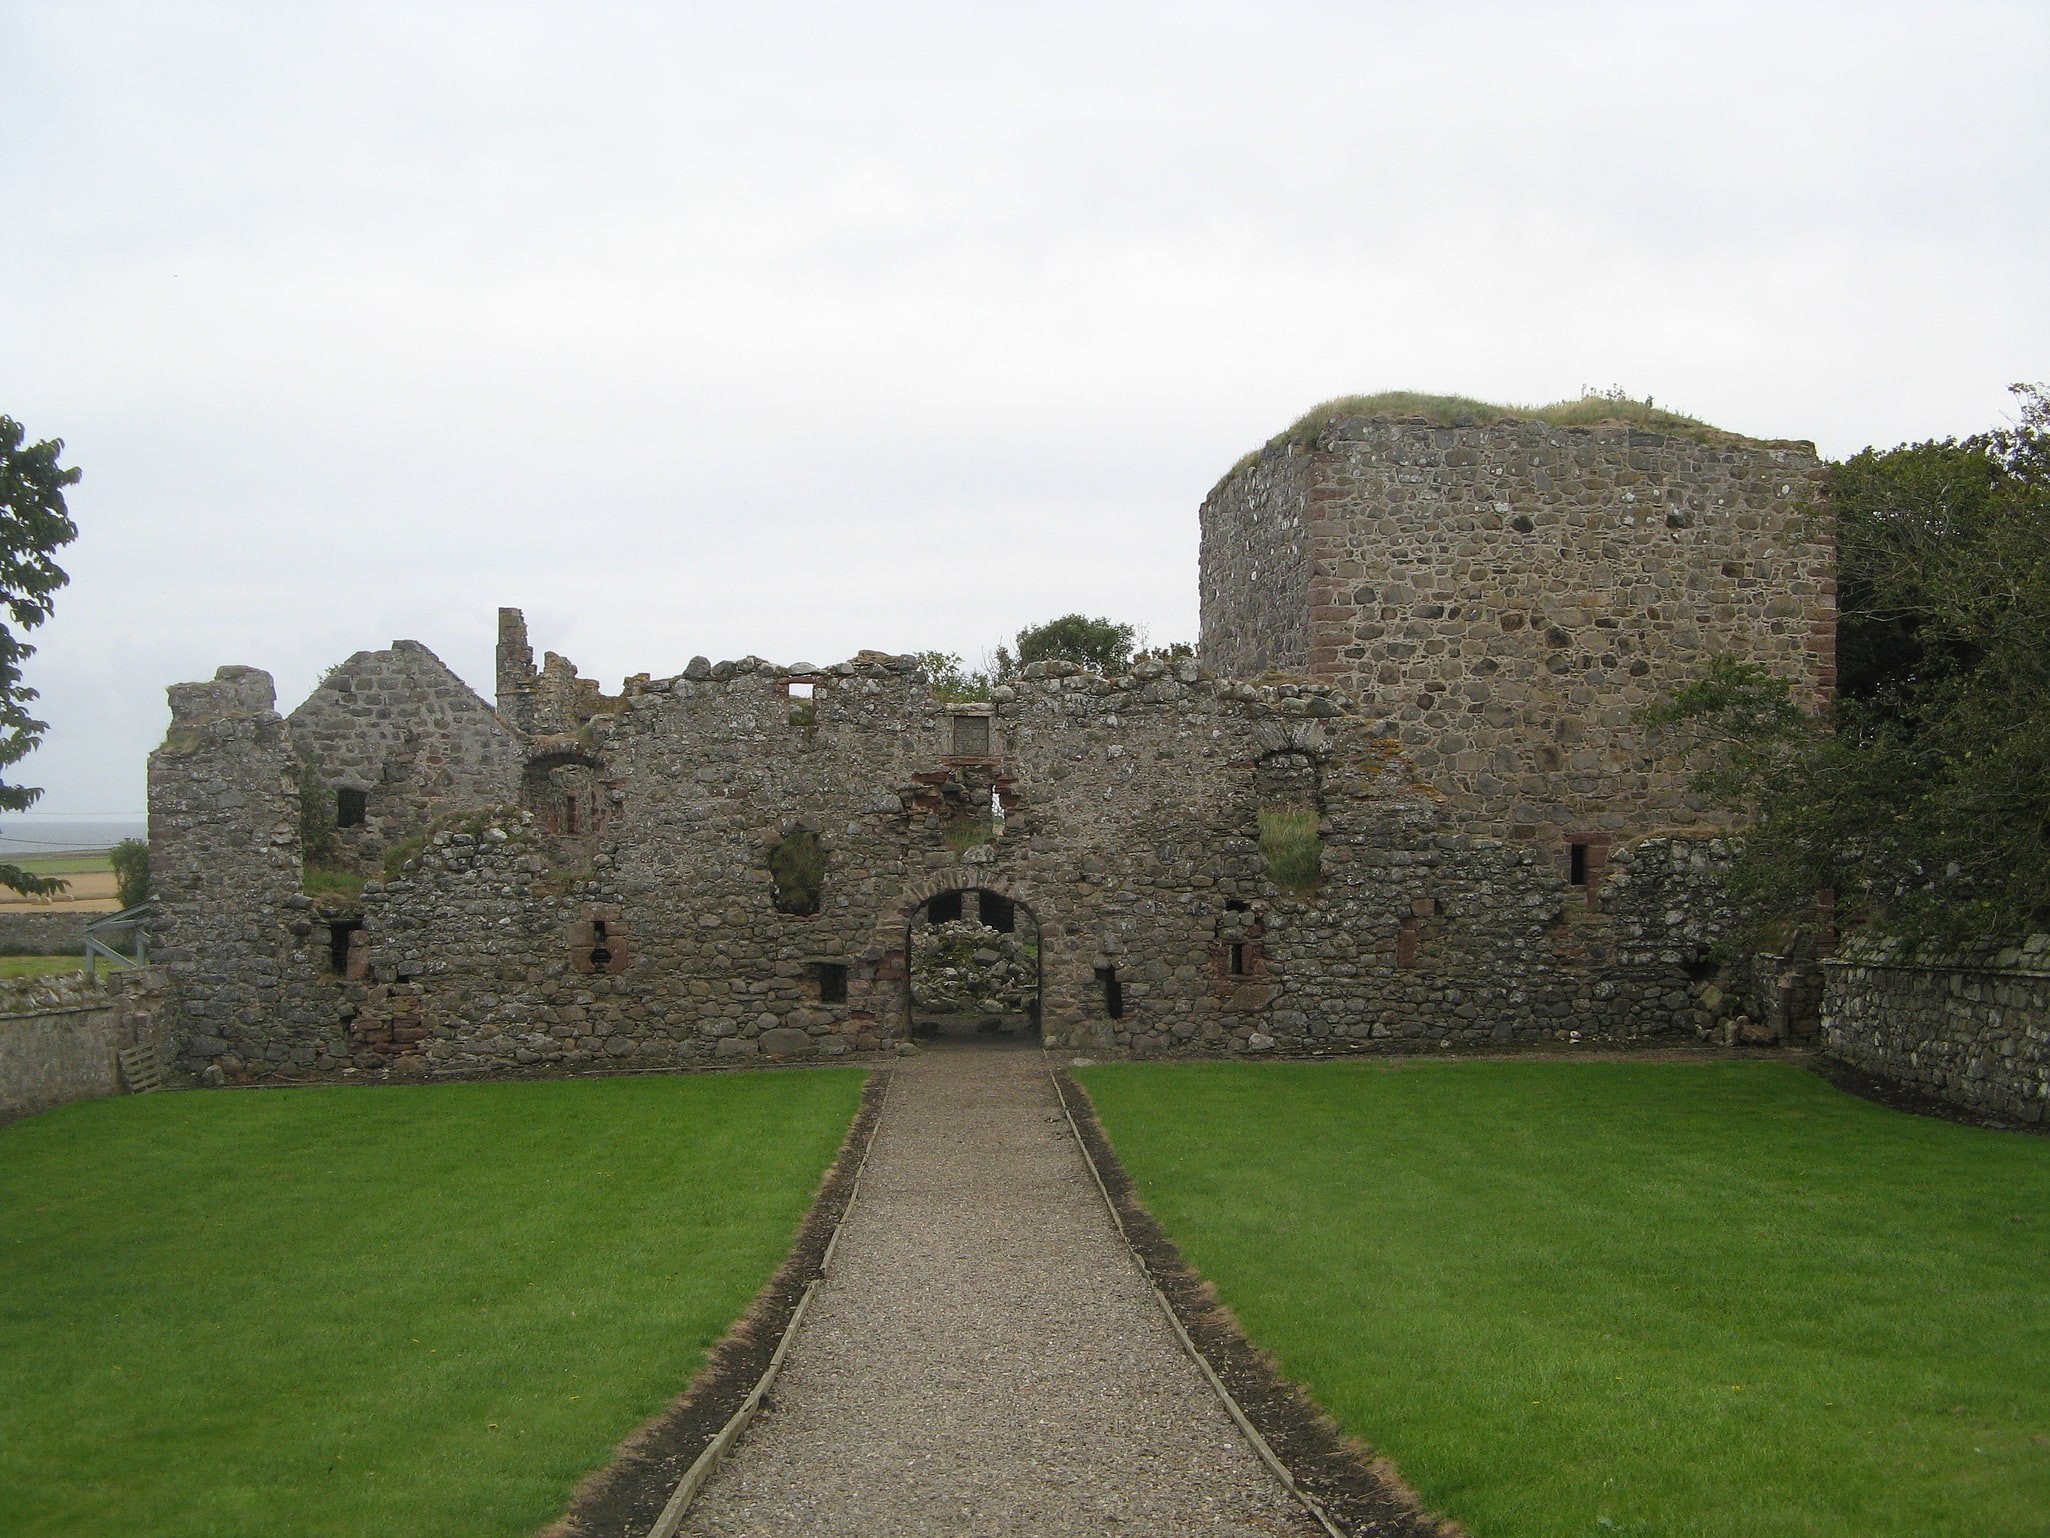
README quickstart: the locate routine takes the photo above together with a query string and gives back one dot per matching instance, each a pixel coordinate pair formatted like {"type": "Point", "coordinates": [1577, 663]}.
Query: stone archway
{"type": "Point", "coordinates": [890, 991]}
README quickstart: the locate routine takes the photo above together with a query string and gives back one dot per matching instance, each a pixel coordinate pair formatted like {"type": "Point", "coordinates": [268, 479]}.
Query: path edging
{"type": "Point", "coordinates": [615, 1501]}
{"type": "Point", "coordinates": [1357, 1493]}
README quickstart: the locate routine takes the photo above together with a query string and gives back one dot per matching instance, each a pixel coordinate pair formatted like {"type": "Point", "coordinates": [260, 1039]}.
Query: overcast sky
{"type": "Point", "coordinates": [796, 329]}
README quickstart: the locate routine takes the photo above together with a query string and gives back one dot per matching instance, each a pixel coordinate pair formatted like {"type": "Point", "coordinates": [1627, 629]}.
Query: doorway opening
{"type": "Point", "coordinates": [973, 969]}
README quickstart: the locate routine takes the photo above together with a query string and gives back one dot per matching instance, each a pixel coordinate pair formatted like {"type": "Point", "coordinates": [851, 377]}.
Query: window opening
{"type": "Point", "coordinates": [944, 909]}
{"type": "Point", "coordinates": [801, 691]}
{"type": "Point", "coordinates": [1113, 992]}
{"type": "Point", "coordinates": [1576, 862]}
{"type": "Point", "coordinates": [1238, 958]}
{"type": "Point", "coordinates": [352, 806]}
{"type": "Point", "coordinates": [601, 953]}
{"type": "Point", "coordinates": [971, 736]}
{"type": "Point", "coordinates": [1236, 905]}
{"type": "Point", "coordinates": [998, 912]}
{"type": "Point", "coordinates": [797, 866]}
{"type": "Point", "coordinates": [338, 933]}
{"type": "Point", "coordinates": [831, 977]}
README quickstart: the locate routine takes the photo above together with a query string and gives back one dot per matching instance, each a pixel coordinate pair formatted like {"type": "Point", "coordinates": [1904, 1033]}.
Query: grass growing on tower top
{"type": "Point", "coordinates": [1578, 1300]}
{"type": "Point", "coordinates": [422, 1310]}
{"type": "Point", "coordinates": [1602, 408]}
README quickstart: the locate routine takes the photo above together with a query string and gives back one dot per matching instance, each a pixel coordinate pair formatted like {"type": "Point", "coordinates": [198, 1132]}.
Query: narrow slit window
{"type": "Point", "coordinates": [352, 806]}
{"type": "Point", "coordinates": [1113, 992]}
{"type": "Point", "coordinates": [339, 935]}
{"type": "Point", "coordinates": [601, 953]}
{"type": "Point", "coordinates": [1238, 958]}
{"type": "Point", "coordinates": [831, 977]}
{"type": "Point", "coordinates": [1576, 862]}
{"type": "Point", "coordinates": [971, 736]}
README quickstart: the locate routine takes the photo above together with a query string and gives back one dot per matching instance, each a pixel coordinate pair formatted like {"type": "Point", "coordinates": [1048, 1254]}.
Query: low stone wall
{"type": "Point", "coordinates": [1975, 1032]}
{"type": "Point", "coordinates": [44, 934]}
{"type": "Point", "coordinates": [59, 1036]}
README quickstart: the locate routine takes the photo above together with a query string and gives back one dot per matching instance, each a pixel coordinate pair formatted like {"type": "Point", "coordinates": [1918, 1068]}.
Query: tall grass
{"type": "Point", "coordinates": [1292, 847]}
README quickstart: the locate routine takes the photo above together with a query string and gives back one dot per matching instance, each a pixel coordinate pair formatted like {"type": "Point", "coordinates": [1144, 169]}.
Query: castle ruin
{"type": "Point", "coordinates": [1426, 644]}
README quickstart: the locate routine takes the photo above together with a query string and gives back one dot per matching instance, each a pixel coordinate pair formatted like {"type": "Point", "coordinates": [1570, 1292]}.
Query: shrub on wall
{"type": "Point", "coordinates": [798, 867]}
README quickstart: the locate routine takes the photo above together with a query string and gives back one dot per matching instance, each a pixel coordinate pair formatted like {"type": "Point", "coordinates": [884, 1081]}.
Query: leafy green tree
{"type": "Point", "coordinates": [1099, 644]}
{"type": "Point", "coordinates": [33, 526]}
{"type": "Point", "coordinates": [1922, 798]}
{"type": "Point", "coordinates": [131, 871]}
{"type": "Point", "coordinates": [952, 680]}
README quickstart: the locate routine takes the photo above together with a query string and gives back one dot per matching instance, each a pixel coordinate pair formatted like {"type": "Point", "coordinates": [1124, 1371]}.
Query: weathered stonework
{"type": "Point", "coordinates": [1451, 630]}
{"type": "Point", "coordinates": [1130, 842]}
{"type": "Point", "coordinates": [1974, 1031]}
{"type": "Point", "coordinates": [60, 1035]}
{"type": "Point", "coordinates": [1511, 594]}
{"type": "Point", "coordinates": [405, 737]}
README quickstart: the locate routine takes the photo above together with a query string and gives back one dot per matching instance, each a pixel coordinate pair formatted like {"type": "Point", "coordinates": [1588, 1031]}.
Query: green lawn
{"type": "Point", "coordinates": [42, 966]}
{"type": "Point", "coordinates": [1594, 1299]}
{"type": "Point", "coordinates": [421, 1310]}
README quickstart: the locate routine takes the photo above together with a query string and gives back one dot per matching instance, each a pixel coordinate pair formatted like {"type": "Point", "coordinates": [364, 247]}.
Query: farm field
{"type": "Point", "coordinates": [91, 874]}
{"type": "Point", "coordinates": [1599, 1299]}
{"type": "Point", "coordinates": [426, 1310]}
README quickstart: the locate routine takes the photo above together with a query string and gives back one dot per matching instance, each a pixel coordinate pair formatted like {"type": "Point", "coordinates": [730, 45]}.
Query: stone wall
{"type": "Point", "coordinates": [1976, 1033]}
{"type": "Point", "coordinates": [226, 871]}
{"type": "Point", "coordinates": [59, 1035]}
{"type": "Point", "coordinates": [401, 732]}
{"type": "Point", "coordinates": [1255, 573]}
{"type": "Point", "coordinates": [1512, 593]}
{"type": "Point", "coordinates": [1130, 841]}
{"type": "Point", "coordinates": [44, 934]}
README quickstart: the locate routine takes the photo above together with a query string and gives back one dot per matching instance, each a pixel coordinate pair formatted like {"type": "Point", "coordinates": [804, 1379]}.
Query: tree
{"type": "Point", "coordinates": [1921, 799]}
{"type": "Point", "coordinates": [131, 872]}
{"type": "Point", "coordinates": [33, 525]}
{"type": "Point", "coordinates": [952, 681]}
{"type": "Point", "coordinates": [1099, 644]}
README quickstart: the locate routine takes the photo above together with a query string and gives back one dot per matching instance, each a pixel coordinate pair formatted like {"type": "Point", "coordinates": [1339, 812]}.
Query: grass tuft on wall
{"type": "Point", "coordinates": [1292, 847]}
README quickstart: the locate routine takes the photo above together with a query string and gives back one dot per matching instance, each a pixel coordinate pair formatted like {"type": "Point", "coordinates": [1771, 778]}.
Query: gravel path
{"type": "Point", "coordinates": [986, 1359]}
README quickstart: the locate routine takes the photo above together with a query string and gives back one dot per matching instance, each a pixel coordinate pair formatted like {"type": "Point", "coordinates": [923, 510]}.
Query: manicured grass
{"type": "Point", "coordinates": [40, 966]}
{"type": "Point", "coordinates": [1594, 1299]}
{"type": "Point", "coordinates": [422, 1310]}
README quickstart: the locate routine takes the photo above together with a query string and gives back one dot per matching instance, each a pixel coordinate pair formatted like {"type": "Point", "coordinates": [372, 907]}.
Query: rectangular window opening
{"type": "Point", "coordinates": [1238, 958]}
{"type": "Point", "coordinates": [352, 806]}
{"type": "Point", "coordinates": [1576, 862]}
{"type": "Point", "coordinates": [1113, 992]}
{"type": "Point", "coordinates": [800, 691]}
{"type": "Point", "coordinates": [997, 912]}
{"type": "Point", "coordinates": [338, 939]}
{"type": "Point", "coordinates": [971, 736]}
{"type": "Point", "coordinates": [944, 909]}
{"type": "Point", "coordinates": [831, 977]}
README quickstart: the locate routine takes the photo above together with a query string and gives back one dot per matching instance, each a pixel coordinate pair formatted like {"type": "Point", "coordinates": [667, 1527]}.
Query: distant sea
{"type": "Point", "coordinates": [28, 833]}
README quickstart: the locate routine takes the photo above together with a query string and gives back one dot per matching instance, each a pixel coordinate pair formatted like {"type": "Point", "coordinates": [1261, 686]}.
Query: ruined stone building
{"type": "Point", "coordinates": [1422, 656]}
